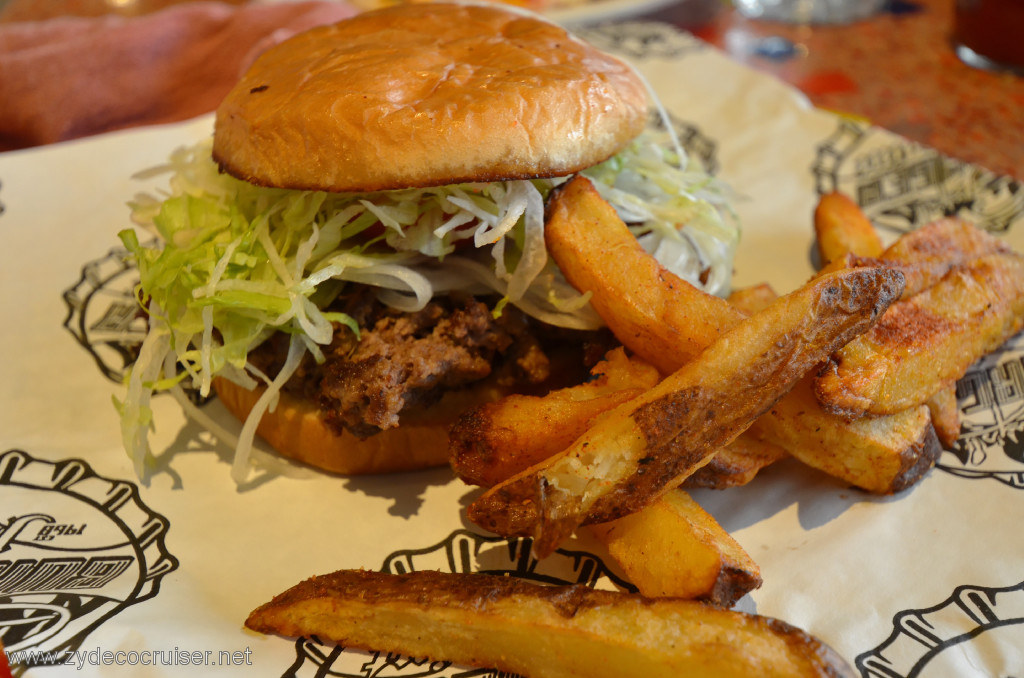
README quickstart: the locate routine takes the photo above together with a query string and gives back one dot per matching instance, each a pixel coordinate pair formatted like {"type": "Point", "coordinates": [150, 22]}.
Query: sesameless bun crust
{"type": "Point", "coordinates": [424, 95]}
{"type": "Point", "coordinates": [297, 430]}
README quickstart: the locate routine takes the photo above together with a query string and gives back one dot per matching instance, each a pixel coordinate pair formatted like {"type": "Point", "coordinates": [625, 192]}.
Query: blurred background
{"type": "Point", "coordinates": [945, 73]}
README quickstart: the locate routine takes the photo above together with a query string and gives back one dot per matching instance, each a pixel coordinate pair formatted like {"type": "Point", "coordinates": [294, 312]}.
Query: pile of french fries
{"type": "Point", "coordinates": [853, 374]}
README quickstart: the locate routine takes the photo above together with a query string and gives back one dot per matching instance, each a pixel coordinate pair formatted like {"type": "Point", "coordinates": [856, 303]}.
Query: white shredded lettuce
{"type": "Point", "coordinates": [233, 263]}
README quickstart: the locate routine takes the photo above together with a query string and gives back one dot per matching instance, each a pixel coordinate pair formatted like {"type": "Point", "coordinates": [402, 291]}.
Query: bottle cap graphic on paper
{"type": "Point", "coordinates": [949, 638]}
{"type": "Point", "coordinates": [901, 185]}
{"type": "Point", "coordinates": [75, 549]}
{"type": "Point", "coordinates": [991, 442]}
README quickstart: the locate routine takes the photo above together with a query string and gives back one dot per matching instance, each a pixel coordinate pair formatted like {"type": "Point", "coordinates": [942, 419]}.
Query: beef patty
{"type": "Point", "coordinates": [402, 361]}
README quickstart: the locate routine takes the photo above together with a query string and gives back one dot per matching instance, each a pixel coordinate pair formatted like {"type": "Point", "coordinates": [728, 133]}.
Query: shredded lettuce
{"type": "Point", "coordinates": [231, 262]}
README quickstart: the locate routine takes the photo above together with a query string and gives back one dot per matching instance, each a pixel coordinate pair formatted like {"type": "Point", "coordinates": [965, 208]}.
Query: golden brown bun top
{"type": "Point", "coordinates": [425, 95]}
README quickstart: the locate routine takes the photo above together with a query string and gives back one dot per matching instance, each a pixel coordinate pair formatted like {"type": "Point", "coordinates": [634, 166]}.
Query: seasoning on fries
{"type": "Point", "coordinates": [651, 311]}
{"type": "Point", "coordinates": [925, 343]}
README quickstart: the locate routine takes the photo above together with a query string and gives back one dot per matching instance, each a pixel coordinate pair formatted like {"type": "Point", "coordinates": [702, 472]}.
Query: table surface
{"type": "Point", "coordinates": [896, 69]}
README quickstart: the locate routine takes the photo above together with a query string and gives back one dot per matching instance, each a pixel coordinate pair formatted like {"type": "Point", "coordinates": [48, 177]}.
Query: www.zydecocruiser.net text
{"type": "Point", "coordinates": [128, 658]}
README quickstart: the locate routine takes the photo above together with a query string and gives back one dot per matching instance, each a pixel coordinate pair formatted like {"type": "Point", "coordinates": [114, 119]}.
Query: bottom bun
{"type": "Point", "coordinates": [297, 430]}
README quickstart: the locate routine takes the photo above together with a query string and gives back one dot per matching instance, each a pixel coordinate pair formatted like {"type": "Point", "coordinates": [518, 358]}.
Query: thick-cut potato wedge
{"type": "Point", "coordinates": [634, 453]}
{"type": "Point", "coordinates": [496, 440]}
{"type": "Point", "coordinates": [543, 631]}
{"type": "Point", "coordinates": [842, 228]}
{"type": "Point", "coordinates": [738, 462]}
{"type": "Point", "coordinates": [945, 412]}
{"type": "Point", "coordinates": [882, 455]}
{"type": "Point", "coordinates": [942, 240]}
{"type": "Point", "coordinates": [660, 317]}
{"type": "Point", "coordinates": [675, 549]}
{"type": "Point", "coordinates": [925, 343]}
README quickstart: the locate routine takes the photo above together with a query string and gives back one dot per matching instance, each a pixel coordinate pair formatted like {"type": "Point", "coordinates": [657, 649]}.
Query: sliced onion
{"type": "Point", "coordinates": [240, 467]}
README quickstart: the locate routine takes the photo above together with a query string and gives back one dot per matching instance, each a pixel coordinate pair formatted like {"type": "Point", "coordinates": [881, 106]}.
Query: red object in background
{"type": "Point", "coordinates": [5, 668]}
{"type": "Point", "coordinates": [827, 82]}
{"type": "Point", "coordinates": [76, 76]}
{"type": "Point", "coordinates": [992, 28]}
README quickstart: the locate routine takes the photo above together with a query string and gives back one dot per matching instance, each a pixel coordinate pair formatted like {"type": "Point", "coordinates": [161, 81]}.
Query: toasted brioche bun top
{"type": "Point", "coordinates": [426, 95]}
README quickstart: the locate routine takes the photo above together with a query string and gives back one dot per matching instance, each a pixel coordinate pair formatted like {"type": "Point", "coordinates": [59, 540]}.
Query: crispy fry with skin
{"type": "Point", "coordinates": [660, 317]}
{"type": "Point", "coordinates": [737, 463]}
{"type": "Point", "coordinates": [926, 255]}
{"type": "Point", "coordinates": [496, 440]}
{"type": "Point", "coordinates": [642, 448]}
{"type": "Point", "coordinates": [945, 413]}
{"type": "Point", "coordinates": [882, 455]}
{"type": "Point", "coordinates": [873, 450]}
{"type": "Point", "coordinates": [582, 230]}
{"type": "Point", "coordinates": [842, 228]}
{"type": "Point", "coordinates": [925, 343]}
{"type": "Point", "coordinates": [542, 631]}
{"type": "Point", "coordinates": [752, 299]}
{"type": "Point", "coordinates": [675, 549]}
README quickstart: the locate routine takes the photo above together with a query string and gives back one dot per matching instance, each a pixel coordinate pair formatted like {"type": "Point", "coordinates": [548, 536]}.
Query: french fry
{"type": "Point", "coordinates": [496, 440]}
{"type": "Point", "coordinates": [882, 455]}
{"type": "Point", "coordinates": [581, 232]}
{"type": "Point", "coordinates": [750, 300]}
{"type": "Point", "coordinates": [516, 626]}
{"type": "Point", "coordinates": [657, 315]}
{"type": "Point", "coordinates": [634, 453]}
{"type": "Point", "coordinates": [841, 228]}
{"type": "Point", "coordinates": [945, 413]}
{"type": "Point", "coordinates": [675, 549]}
{"type": "Point", "coordinates": [736, 463]}
{"type": "Point", "coordinates": [927, 254]}
{"type": "Point", "coordinates": [925, 343]}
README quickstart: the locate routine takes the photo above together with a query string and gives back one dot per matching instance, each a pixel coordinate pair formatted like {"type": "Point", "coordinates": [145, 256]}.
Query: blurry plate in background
{"type": "Point", "coordinates": [593, 11]}
{"type": "Point", "coordinates": [562, 11]}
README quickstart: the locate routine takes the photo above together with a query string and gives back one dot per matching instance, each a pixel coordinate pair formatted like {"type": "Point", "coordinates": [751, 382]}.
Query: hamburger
{"type": "Point", "coordinates": [357, 255]}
